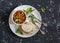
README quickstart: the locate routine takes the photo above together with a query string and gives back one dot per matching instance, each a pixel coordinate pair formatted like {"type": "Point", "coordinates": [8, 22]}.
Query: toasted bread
{"type": "Point", "coordinates": [28, 27]}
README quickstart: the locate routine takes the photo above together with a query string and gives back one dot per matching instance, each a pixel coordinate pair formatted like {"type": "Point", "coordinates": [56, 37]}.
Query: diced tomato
{"type": "Point", "coordinates": [19, 15]}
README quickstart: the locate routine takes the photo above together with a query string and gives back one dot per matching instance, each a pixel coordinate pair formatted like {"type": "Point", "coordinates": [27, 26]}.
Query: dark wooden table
{"type": "Point", "coordinates": [51, 16]}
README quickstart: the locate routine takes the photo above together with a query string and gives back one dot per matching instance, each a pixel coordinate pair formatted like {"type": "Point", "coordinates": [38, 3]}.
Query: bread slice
{"type": "Point", "coordinates": [28, 27]}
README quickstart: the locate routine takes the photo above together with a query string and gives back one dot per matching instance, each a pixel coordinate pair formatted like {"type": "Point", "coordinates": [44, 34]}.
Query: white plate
{"type": "Point", "coordinates": [13, 26]}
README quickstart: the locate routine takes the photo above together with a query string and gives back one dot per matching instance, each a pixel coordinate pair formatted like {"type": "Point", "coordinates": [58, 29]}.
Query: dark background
{"type": "Point", "coordinates": [51, 16]}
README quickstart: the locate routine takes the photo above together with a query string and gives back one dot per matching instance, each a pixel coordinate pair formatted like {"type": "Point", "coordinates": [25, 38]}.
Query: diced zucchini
{"type": "Point", "coordinates": [17, 20]}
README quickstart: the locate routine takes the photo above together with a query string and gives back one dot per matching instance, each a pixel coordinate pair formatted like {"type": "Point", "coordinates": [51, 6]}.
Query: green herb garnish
{"type": "Point", "coordinates": [43, 9]}
{"type": "Point", "coordinates": [28, 10]}
{"type": "Point", "coordinates": [18, 31]}
{"type": "Point", "coordinates": [33, 18]}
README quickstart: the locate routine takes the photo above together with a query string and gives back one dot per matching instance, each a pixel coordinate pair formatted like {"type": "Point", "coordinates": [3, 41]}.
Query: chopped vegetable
{"type": "Point", "coordinates": [20, 20]}
{"type": "Point", "coordinates": [19, 17]}
{"type": "Point", "coordinates": [18, 31]}
{"type": "Point", "coordinates": [43, 9]}
{"type": "Point", "coordinates": [28, 10]}
{"type": "Point", "coordinates": [16, 20]}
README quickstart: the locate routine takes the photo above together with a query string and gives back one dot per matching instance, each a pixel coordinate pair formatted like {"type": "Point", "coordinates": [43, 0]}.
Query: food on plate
{"type": "Point", "coordinates": [27, 28]}
{"type": "Point", "coordinates": [34, 19]}
{"type": "Point", "coordinates": [19, 31]}
{"type": "Point", "coordinates": [19, 17]}
{"type": "Point", "coordinates": [28, 10]}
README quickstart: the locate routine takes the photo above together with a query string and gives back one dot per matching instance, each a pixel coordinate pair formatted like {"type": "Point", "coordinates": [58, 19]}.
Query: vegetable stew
{"type": "Point", "coordinates": [19, 17]}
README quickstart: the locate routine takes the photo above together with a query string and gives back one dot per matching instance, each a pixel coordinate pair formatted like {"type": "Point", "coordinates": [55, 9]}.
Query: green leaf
{"type": "Point", "coordinates": [24, 10]}
{"type": "Point", "coordinates": [43, 9]}
{"type": "Point", "coordinates": [32, 16]}
{"type": "Point", "coordinates": [34, 19]}
{"type": "Point", "coordinates": [18, 31]}
{"type": "Point", "coordinates": [28, 10]}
